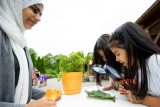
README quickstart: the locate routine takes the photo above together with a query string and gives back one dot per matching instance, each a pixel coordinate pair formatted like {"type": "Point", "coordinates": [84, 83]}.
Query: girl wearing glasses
{"type": "Point", "coordinates": [15, 63]}
{"type": "Point", "coordinates": [141, 56]}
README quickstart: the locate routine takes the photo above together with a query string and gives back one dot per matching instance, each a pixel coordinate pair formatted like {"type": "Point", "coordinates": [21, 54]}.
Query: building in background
{"type": "Point", "coordinates": [150, 21]}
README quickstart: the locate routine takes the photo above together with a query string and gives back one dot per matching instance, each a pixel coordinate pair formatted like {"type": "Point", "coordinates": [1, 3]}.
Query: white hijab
{"type": "Point", "coordinates": [11, 21]}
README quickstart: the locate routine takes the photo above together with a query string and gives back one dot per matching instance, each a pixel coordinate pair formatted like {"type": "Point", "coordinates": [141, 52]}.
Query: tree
{"type": "Point", "coordinates": [48, 61]}
{"type": "Point", "coordinates": [51, 64]}
{"type": "Point", "coordinates": [56, 64]}
{"type": "Point", "coordinates": [40, 65]}
{"type": "Point", "coordinates": [33, 56]}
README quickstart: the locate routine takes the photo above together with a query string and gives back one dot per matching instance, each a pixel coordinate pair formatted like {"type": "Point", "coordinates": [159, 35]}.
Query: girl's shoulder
{"type": "Point", "coordinates": [153, 62]}
{"type": "Point", "coordinates": [154, 57]}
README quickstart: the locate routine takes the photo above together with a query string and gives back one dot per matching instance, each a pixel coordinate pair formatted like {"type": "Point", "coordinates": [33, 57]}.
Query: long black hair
{"type": "Point", "coordinates": [102, 44]}
{"type": "Point", "coordinates": [139, 47]}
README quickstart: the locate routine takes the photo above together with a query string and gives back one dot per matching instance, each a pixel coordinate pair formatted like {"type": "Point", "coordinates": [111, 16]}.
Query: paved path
{"type": "Point", "coordinates": [54, 83]}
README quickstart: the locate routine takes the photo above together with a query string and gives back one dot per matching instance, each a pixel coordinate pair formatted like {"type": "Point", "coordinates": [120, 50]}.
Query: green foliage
{"type": "Point", "coordinates": [49, 60]}
{"type": "Point", "coordinates": [58, 64]}
{"type": "Point", "coordinates": [33, 56]}
{"type": "Point", "coordinates": [88, 57]}
{"type": "Point", "coordinates": [51, 64]}
{"type": "Point", "coordinates": [74, 62]}
{"type": "Point", "coordinates": [50, 73]}
{"type": "Point", "coordinates": [40, 65]}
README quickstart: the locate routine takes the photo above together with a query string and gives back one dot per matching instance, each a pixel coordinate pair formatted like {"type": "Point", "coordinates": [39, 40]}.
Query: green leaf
{"type": "Point", "coordinates": [100, 95]}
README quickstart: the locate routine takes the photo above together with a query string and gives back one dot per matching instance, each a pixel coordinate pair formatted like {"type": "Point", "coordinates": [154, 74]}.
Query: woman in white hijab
{"type": "Point", "coordinates": [15, 63]}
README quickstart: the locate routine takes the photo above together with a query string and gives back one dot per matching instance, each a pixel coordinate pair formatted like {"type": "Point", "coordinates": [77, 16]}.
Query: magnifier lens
{"type": "Point", "coordinates": [99, 70]}
{"type": "Point", "coordinates": [112, 72]}
{"type": "Point", "coordinates": [106, 69]}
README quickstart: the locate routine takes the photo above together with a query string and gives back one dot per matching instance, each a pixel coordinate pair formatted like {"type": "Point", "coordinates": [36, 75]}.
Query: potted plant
{"type": "Point", "coordinates": [71, 72]}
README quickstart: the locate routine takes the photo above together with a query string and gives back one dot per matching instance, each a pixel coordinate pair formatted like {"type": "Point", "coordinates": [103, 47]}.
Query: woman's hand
{"type": "Point", "coordinates": [43, 102]}
{"type": "Point", "coordinates": [132, 98]}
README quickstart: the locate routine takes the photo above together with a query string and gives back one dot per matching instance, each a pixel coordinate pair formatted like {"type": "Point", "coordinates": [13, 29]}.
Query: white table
{"type": "Point", "coordinates": [82, 100]}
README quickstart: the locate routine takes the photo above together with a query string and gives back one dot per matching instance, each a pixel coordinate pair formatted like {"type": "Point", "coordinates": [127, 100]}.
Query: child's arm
{"type": "Point", "coordinates": [151, 101]}
{"type": "Point", "coordinates": [148, 100]}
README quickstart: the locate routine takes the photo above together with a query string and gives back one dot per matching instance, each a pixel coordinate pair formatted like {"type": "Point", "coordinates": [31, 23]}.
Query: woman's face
{"type": "Point", "coordinates": [32, 15]}
{"type": "Point", "coordinates": [101, 53]}
{"type": "Point", "coordinates": [121, 55]}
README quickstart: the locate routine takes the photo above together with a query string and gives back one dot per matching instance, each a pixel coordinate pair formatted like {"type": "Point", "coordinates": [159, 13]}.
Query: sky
{"type": "Point", "coordinates": [74, 25]}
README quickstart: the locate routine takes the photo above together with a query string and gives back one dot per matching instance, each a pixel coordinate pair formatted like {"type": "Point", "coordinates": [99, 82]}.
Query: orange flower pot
{"type": "Point", "coordinates": [72, 82]}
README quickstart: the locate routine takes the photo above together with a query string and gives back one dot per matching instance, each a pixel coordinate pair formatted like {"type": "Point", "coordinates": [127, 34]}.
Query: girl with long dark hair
{"type": "Point", "coordinates": [102, 55]}
{"type": "Point", "coordinates": [141, 56]}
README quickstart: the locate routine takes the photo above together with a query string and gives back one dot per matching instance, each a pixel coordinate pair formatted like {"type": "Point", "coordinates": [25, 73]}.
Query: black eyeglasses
{"type": "Point", "coordinates": [36, 10]}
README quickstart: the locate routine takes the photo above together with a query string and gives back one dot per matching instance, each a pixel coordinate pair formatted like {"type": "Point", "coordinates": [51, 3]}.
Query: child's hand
{"type": "Point", "coordinates": [132, 97]}
{"type": "Point", "coordinates": [108, 87]}
{"type": "Point", "coordinates": [122, 90]}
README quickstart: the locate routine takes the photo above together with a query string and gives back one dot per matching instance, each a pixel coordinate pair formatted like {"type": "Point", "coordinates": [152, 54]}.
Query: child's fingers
{"type": "Point", "coordinates": [122, 90]}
